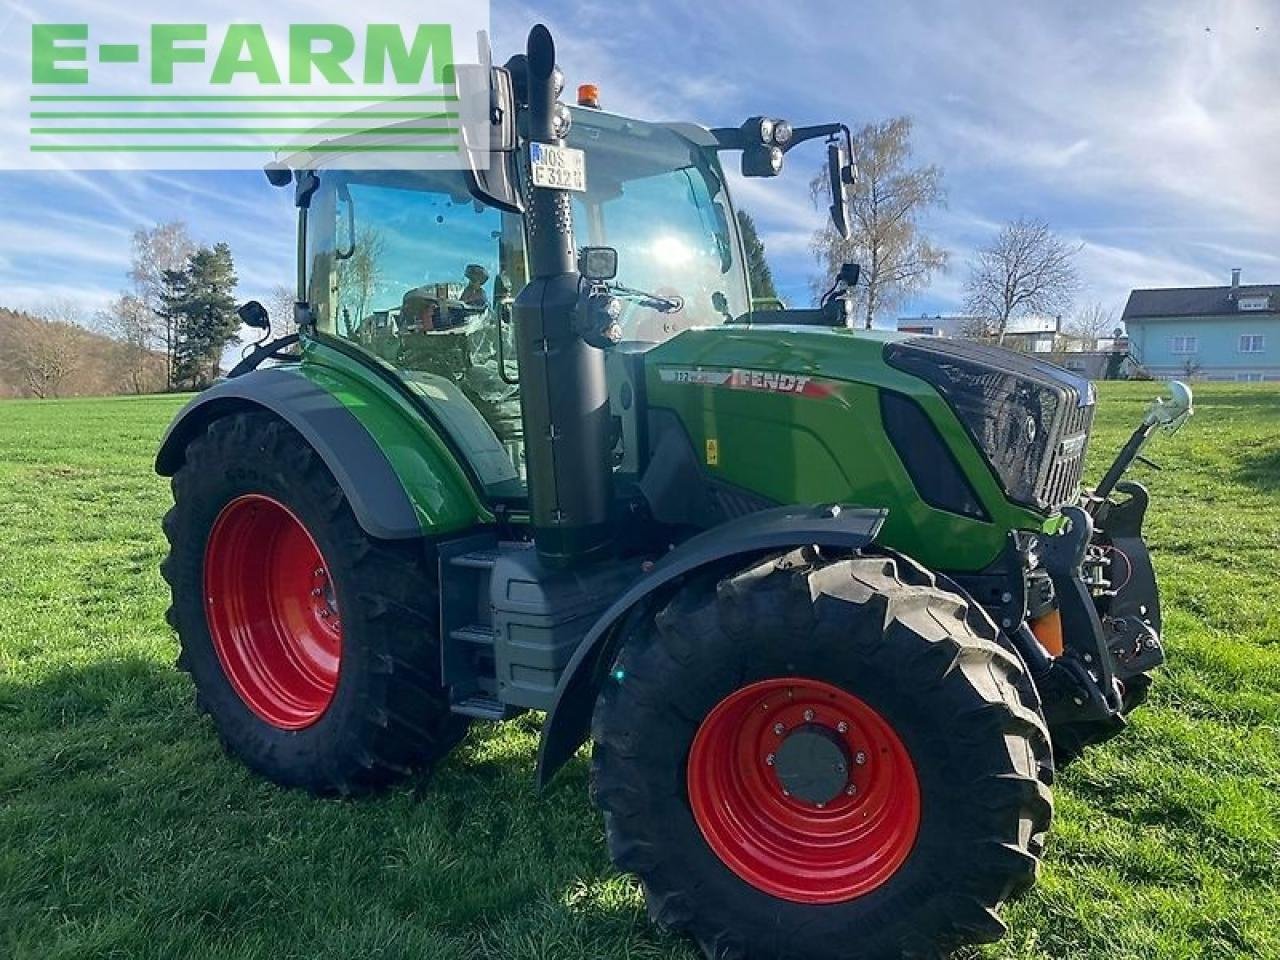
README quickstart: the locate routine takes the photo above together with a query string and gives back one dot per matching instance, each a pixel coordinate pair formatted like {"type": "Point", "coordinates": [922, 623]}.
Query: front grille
{"type": "Point", "coordinates": [1067, 464]}
{"type": "Point", "coordinates": [1029, 418]}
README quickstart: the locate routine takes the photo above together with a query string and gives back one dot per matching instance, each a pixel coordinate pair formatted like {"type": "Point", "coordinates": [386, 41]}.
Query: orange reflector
{"type": "Point", "coordinates": [589, 96]}
{"type": "Point", "coordinates": [1048, 630]}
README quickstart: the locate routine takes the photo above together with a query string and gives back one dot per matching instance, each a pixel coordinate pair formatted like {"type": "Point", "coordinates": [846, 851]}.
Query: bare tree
{"type": "Point", "coordinates": [280, 308]}
{"type": "Point", "coordinates": [887, 200]}
{"type": "Point", "coordinates": [1092, 323]}
{"type": "Point", "coordinates": [976, 328]}
{"type": "Point", "coordinates": [131, 324]}
{"type": "Point", "coordinates": [158, 252]}
{"type": "Point", "coordinates": [46, 356]}
{"type": "Point", "coordinates": [1026, 270]}
{"type": "Point", "coordinates": [358, 278]}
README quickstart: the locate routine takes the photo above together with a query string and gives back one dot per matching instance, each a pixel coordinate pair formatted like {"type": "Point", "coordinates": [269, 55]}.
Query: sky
{"type": "Point", "coordinates": [1147, 132]}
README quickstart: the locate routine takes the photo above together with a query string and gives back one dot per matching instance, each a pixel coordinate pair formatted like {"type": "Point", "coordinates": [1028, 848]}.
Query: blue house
{"type": "Point", "coordinates": [1210, 333]}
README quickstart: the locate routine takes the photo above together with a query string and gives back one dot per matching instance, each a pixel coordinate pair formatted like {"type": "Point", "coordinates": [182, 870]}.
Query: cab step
{"type": "Point", "coordinates": [483, 708]}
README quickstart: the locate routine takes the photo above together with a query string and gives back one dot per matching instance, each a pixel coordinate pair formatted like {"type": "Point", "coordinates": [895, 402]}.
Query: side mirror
{"type": "Point", "coordinates": [598, 263]}
{"type": "Point", "coordinates": [253, 314]}
{"type": "Point", "coordinates": [1172, 411]}
{"type": "Point", "coordinates": [840, 176]}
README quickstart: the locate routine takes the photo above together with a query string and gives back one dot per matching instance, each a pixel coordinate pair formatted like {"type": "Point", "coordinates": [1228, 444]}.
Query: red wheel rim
{"type": "Point", "coordinates": [272, 612]}
{"type": "Point", "coordinates": [805, 850]}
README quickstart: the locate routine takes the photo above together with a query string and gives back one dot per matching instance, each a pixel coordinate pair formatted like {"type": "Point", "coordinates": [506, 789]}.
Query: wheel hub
{"type": "Point", "coordinates": [272, 612]}
{"type": "Point", "coordinates": [812, 765]}
{"type": "Point", "coordinates": [803, 790]}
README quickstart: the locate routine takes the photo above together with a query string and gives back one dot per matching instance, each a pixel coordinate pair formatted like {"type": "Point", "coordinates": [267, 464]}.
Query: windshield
{"type": "Point", "coordinates": [660, 201]}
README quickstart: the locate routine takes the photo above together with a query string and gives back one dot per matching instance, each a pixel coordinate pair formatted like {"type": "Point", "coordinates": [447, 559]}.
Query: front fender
{"type": "Point", "coordinates": [399, 484]}
{"type": "Point", "coordinates": [569, 720]}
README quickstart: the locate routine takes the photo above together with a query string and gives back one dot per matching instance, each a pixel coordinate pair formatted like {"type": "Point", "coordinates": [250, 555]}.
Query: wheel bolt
{"type": "Point", "coordinates": [769, 760]}
{"type": "Point", "coordinates": [821, 805]}
{"type": "Point", "coordinates": [860, 758]}
{"type": "Point", "coordinates": [316, 591]}
{"type": "Point", "coordinates": [324, 614]}
{"type": "Point", "coordinates": [850, 790]}
{"type": "Point", "coordinates": [808, 716]}
{"type": "Point", "coordinates": [842, 727]}
{"type": "Point", "coordinates": [319, 571]}
{"type": "Point", "coordinates": [779, 729]}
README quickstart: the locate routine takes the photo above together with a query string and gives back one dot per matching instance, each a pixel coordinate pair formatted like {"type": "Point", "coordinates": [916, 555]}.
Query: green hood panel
{"type": "Point", "coordinates": [793, 414]}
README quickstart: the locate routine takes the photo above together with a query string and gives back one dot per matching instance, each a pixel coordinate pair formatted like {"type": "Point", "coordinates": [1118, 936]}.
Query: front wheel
{"type": "Point", "coordinates": [823, 760]}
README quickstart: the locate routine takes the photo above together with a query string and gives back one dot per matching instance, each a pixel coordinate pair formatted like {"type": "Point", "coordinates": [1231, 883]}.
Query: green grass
{"type": "Point", "coordinates": [125, 832]}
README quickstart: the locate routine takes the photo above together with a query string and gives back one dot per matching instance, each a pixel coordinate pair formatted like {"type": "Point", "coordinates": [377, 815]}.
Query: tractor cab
{"type": "Point", "coordinates": [416, 269]}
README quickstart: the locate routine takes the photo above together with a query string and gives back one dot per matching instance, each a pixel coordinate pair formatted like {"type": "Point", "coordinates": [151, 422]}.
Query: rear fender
{"type": "Point", "coordinates": [569, 720]}
{"type": "Point", "coordinates": [399, 483]}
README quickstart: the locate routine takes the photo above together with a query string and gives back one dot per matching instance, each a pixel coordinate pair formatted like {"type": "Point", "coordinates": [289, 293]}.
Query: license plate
{"type": "Point", "coordinates": [559, 168]}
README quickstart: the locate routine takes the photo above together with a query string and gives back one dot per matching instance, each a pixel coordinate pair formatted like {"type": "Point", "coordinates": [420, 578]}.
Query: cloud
{"type": "Point", "coordinates": [1132, 127]}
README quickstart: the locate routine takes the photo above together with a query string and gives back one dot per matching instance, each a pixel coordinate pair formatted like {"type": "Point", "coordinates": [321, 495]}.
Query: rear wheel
{"type": "Point", "coordinates": [313, 647]}
{"type": "Point", "coordinates": [823, 759]}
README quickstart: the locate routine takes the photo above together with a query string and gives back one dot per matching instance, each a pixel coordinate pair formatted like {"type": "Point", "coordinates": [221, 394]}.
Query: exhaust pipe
{"type": "Point", "coordinates": [564, 397]}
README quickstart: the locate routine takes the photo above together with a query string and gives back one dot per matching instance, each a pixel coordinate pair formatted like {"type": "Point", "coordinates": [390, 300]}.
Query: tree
{"type": "Point", "coordinates": [47, 353]}
{"type": "Point", "coordinates": [358, 278]}
{"type": "Point", "coordinates": [200, 307]}
{"type": "Point", "coordinates": [131, 324]}
{"type": "Point", "coordinates": [1092, 323]}
{"type": "Point", "coordinates": [1026, 270]}
{"type": "Point", "coordinates": [888, 199]}
{"type": "Point", "coordinates": [164, 248]}
{"type": "Point", "coordinates": [279, 306]}
{"type": "Point", "coordinates": [758, 271]}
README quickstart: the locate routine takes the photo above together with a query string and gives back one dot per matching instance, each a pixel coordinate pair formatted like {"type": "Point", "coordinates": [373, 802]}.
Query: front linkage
{"type": "Point", "coordinates": [1086, 593]}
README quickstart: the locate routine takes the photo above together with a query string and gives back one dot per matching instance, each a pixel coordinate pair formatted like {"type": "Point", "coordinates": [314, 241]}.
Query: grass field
{"type": "Point", "coordinates": [125, 832]}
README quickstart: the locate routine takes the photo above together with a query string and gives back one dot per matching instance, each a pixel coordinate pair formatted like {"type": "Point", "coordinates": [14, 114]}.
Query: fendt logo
{"type": "Point", "coordinates": [768, 381]}
{"type": "Point", "coordinates": [221, 89]}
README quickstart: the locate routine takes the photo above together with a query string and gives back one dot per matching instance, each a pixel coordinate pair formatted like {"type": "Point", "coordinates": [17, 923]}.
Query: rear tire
{"type": "Point", "coordinates": [325, 678]}
{"type": "Point", "coordinates": [873, 631]}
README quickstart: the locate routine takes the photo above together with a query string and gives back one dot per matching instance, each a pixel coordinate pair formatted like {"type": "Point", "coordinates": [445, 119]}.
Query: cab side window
{"type": "Point", "coordinates": [421, 275]}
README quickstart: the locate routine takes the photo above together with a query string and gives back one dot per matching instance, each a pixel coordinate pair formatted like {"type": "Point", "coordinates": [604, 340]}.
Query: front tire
{"type": "Point", "coordinates": [816, 759]}
{"type": "Point", "coordinates": [313, 647]}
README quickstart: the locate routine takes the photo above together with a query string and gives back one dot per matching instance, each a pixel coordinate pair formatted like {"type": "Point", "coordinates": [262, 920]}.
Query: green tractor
{"type": "Point", "coordinates": [830, 605]}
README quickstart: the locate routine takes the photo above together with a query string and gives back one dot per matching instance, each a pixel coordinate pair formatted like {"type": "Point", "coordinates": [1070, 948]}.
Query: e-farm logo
{"type": "Point", "coordinates": [235, 91]}
{"type": "Point", "coordinates": [315, 49]}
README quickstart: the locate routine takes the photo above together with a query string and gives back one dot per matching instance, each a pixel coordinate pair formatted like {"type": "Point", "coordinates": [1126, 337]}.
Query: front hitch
{"type": "Point", "coordinates": [1107, 597]}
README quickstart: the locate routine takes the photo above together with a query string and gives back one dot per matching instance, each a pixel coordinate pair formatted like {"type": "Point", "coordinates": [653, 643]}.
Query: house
{"type": "Point", "coordinates": [1033, 334]}
{"type": "Point", "coordinates": [1101, 364]}
{"type": "Point", "coordinates": [1214, 333]}
{"type": "Point", "coordinates": [938, 325]}
{"type": "Point", "coordinates": [1106, 358]}
{"type": "Point", "coordinates": [1028, 334]}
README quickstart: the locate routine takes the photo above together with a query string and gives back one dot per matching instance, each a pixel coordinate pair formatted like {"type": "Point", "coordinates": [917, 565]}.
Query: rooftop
{"type": "Point", "coordinates": [1203, 302]}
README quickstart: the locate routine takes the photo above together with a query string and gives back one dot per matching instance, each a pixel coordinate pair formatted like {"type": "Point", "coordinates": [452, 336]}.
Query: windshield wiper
{"type": "Point", "coordinates": [651, 300]}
